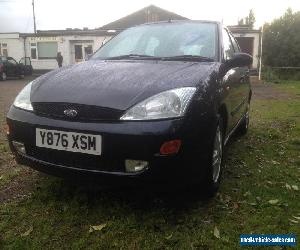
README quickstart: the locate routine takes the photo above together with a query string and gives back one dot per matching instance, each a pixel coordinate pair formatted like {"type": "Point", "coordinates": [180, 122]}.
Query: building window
{"type": "Point", "coordinates": [33, 50]}
{"type": "Point", "coordinates": [3, 49]}
{"type": "Point", "coordinates": [33, 53]}
{"type": "Point", "coordinates": [47, 50]}
{"type": "Point", "coordinates": [4, 52]}
{"type": "Point", "coordinates": [43, 50]}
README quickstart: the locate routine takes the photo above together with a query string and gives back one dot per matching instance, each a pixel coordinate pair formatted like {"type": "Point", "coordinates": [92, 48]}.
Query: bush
{"type": "Point", "coordinates": [270, 74]}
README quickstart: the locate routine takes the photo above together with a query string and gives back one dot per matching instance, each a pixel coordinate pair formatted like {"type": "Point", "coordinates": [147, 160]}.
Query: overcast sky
{"type": "Point", "coordinates": [16, 15]}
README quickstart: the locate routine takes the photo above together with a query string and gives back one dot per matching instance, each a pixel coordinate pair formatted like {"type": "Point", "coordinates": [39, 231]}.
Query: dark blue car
{"type": "Point", "coordinates": [157, 102]}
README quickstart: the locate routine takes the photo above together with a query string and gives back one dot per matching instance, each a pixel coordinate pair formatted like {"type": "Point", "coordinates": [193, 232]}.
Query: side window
{"type": "Point", "coordinates": [235, 44]}
{"type": "Point", "coordinates": [11, 61]}
{"type": "Point", "coordinates": [228, 47]}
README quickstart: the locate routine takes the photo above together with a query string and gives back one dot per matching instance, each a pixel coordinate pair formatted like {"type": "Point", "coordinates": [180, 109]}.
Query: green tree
{"type": "Point", "coordinates": [248, 20]}
{"type": "Point", "coordinates": [281, 41]}
{"type": "Point", "coordinates": [251, 19]}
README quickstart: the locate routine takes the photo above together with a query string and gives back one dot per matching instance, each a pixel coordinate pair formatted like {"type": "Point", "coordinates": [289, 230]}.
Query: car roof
{"type": "Point", "coordinates": [179, 21]}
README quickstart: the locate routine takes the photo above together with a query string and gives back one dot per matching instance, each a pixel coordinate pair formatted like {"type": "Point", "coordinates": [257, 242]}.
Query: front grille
{"type": "Point", "coordinates": [76, 160]}
{"type": "Point", "coordinates": [84, 112]}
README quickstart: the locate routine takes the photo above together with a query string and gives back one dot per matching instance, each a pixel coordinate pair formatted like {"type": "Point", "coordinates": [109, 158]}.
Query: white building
{"type": "Point", "coordinates": [249, 40]}
{"type": "Point", "coordinates": [42, 47]}
{"type": "Point", "coordinates": [76, 44]}
{"type": "Point", "coordinates": [11, 45]}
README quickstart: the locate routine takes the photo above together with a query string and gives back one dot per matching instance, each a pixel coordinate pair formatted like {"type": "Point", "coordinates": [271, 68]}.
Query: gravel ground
{"type": "Point", "coordinates": [15, 181]}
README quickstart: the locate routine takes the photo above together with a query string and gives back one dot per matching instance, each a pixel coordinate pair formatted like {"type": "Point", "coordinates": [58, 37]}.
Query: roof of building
{"type": "Point", "coordinates": [243, 29]}
{"type": "Point", "coordinates": [148, 14]}
{"type": "Point", "coordinates": [70, 32]}
{"type": "Point", "coordinates": [143, 16]}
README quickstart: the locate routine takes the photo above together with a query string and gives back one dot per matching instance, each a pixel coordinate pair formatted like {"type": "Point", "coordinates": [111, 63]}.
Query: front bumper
{"type": "Point", "coordinates": [120, 141]}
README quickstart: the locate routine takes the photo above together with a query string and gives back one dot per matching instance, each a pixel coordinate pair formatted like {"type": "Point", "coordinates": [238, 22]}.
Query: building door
{"type": "Point", "coordinates": [78, 53]}
{"type": "Point", "coordinates": [88, 51]}
{"type": "Point", "coordinates": [246, 44]}
{"type": "Point", "coordinates": [82, 51]}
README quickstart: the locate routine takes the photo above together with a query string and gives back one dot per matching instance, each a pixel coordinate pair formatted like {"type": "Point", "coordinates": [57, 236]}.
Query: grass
{"type": "Point", "coordinates": [258, 195]}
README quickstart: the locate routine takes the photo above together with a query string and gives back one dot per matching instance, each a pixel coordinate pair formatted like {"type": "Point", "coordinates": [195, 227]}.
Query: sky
{"type": "Point", "coordinates": [16, 15]}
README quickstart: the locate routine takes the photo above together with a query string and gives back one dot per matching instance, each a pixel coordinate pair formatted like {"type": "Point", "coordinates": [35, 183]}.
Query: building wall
{"type": "Point", "coordinates": [65, 46]}
{"type": "Point", "coordinates": [15, 45]}
{"type": "Point", "coordinates": [256, 48]}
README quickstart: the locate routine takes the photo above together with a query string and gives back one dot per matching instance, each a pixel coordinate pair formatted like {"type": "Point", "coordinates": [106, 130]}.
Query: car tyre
{"type": "Point", "coordinates": [215, 162]}
{"type": "Point", "coordinates": [244, 125]}
{"type": "Point", "coordinates": [3, 76]}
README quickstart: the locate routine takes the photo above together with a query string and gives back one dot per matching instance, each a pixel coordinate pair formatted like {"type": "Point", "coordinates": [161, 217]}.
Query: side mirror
{"type": "Point", "coordinates": [239, 60]}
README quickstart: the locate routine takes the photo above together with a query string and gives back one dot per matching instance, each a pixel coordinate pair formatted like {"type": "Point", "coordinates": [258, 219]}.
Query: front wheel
{"type": "Point", "coordinates": [215, 163]}
{"type": "Point", "coordinates": [3, 76]}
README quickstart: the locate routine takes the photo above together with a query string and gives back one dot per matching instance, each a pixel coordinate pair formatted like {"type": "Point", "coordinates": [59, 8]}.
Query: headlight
{"type": "Point", "coordinates": [22, 100]}
{"type": "Point", "coordinates": [168, 104]}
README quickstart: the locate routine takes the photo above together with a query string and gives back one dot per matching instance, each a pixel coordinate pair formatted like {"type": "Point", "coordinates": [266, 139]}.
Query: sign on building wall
{"type": "Point", "coordinates": [44, 39]}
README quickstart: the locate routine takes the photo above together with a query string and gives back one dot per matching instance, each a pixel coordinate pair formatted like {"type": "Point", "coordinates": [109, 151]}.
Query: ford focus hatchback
{"type": "Point", "coordinates": [157, 102]}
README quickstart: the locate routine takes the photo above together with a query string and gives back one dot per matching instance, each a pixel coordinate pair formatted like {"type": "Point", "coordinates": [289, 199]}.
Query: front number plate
{"type": "Point", "coordinates": [68, 141]}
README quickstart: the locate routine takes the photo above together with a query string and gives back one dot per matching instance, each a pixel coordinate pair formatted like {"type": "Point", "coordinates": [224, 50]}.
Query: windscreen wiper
{"type": "Point", "coordinates": [133, 56]}
{"type": "Point", "coordinates": [188, 58]}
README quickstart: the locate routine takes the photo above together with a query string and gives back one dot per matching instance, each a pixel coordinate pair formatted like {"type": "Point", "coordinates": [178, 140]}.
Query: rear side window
{"type": "Point", "coordinates": [228, 46]}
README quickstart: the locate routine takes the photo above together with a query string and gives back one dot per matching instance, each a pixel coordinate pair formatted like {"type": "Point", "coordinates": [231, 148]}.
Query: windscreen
{"type": "Point", "coordinates": [163, 40]}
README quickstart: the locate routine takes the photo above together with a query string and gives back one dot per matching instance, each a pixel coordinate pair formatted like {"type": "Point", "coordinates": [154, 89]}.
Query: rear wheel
{"type": "Point", "coordinates": [3, 76]}
{"type": "Point", "coordinates": [244, 125]}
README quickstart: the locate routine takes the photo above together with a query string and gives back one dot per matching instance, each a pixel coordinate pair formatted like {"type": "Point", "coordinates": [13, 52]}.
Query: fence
{"type": "Point", "coordinates": [280, 73]}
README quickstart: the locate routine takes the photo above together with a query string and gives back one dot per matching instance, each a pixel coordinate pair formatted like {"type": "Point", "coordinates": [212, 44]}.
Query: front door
{"type": "Point", "coordinates": [231, 83]}
{"type": "Point", "coordinates": [11, 67]}
{"type": "Point", "coordinates": [82, 51]}
{"type": "Point", "coordinates": [78, 53]}
{"type": "Point", "coordinates": [88, 51]}
{"type": "Point", "coordinates": [243, 84]}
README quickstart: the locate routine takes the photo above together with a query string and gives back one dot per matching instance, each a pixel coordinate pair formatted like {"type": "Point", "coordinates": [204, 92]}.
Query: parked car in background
{"type": "Point", "coordinates": [9, 67]}
{"type": "Point", "coordinates": [157, 102]}
{"type": "Point", "coordinates": [26, 62]}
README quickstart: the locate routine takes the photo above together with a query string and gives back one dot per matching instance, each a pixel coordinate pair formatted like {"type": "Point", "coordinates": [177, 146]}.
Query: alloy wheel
{"type": "Point", "coordinates": [217, 156]}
